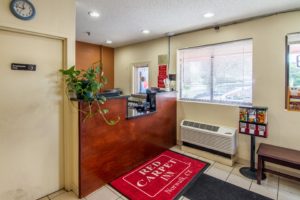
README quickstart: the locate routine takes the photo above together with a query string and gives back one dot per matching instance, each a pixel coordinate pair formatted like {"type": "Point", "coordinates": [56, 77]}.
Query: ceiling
{"type": "Point", "coordinates": [121, 21]}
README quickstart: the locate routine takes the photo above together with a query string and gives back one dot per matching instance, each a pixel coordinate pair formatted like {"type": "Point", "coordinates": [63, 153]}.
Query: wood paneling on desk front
{"type": "Point", "coordinates": [106, 152]}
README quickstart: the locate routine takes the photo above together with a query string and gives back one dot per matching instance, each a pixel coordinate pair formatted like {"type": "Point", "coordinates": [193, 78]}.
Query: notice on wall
{"type": "Point", "coordinates": [162, 75]}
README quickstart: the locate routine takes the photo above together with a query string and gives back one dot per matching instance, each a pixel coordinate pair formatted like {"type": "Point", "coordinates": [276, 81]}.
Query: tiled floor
{"type": "Point", "coordinates": [273, 187]}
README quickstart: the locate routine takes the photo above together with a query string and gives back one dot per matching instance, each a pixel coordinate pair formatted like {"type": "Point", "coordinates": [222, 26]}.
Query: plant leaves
{"type": "Point", "coordinates": [87, 83]}
{"type": "Point", "coordinates": [105, 111]}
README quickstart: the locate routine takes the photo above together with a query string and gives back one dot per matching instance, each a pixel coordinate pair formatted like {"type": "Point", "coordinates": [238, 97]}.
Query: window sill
{"type": "Point", "coordinates": [212, 103]}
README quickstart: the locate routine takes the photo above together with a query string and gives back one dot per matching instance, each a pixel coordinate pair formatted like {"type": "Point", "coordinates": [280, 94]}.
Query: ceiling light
{"type": "Point", "coordinates": [208, 15]}
{"type": "Point", "coordinates": [94, 14]}
{"type": "Point", "coordinates": [108, 41]}
{"type": "Point", "coordinates": [145, 31]}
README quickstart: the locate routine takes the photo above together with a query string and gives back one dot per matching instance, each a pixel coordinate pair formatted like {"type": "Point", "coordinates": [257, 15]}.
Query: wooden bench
{"type": "Point", "coordinates": [278, 155]}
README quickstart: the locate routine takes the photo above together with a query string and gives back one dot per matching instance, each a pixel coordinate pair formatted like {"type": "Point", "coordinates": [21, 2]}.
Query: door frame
{"type": "Point", "coordinates": [67, 144]}
{"type": "Point", "coordinates": [133, 75]}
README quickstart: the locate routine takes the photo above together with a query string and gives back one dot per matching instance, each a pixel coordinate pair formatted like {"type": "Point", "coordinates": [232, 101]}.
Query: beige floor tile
{"type": "Point", "coordinates": [236, 169]}
{"type": "Point", "coordinates": [103, 193]}
{"type": "Point", "coordinates": [223, 167]}
{"type": "Point", "coordinates": [114, 190]}
{"type": "Point", "coordinates": [184, 198]}
{"type": "Point", "coordinates": [268, 187]}
{"type": "Point", "coordinates": [264, 190]}
{"type": "Point", "coordinates": [271, 180]}
{"type": "Point", "coordinates": [289, 185]}
{"type": "Point", "coordinates": [122, 198]}
{"type": "Point", "coordinates": [288, 189]}
{"type": "Point", "coordinates": [239, 181]}
{"type": "Point", "coordinates": [206, 171]}
{"type": "Point", "coordinates": [191, 155]}
{"type": "Point", "coordinates": [199, 157]}
{"type": "Point", "coordinates": [180, 198]}
{"type": "Point", "coordinates": [55, 194]}
{"type": "Point", "coordinates": [283, 195]}
{"type": "Point", "coordinates": [176, 149]}
{"type": "Point", "coordinates": [211, 162]}
{"type": "Point", "coordinates": [66, 196]}
{"type": "Point", "coordinates": [219, 171]}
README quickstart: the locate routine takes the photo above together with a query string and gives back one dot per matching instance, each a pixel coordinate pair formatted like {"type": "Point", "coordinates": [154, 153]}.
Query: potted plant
{"type": "Point", "coordinates": [85, 85]}
{"type": "Point", "coordinates": [72, 81]}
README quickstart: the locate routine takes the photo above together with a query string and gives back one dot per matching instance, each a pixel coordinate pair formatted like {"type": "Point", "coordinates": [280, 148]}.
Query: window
{"type": "Point", "coordinates": [141, 78]}
{"type": "Point", "coordinates": [293, 72]}
{"type": "Point", "coordinates": [220, 73]}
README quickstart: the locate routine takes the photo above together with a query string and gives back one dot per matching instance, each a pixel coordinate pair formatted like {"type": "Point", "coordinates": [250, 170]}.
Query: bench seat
{"type": "Point", "coordinates": [277, 155]}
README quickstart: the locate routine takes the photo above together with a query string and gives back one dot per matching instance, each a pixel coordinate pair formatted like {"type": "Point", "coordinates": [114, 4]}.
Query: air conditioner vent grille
{"type": "Point", "coordinates": [201, 126]}
{"type": "Point", "coordinates": [218, 138]}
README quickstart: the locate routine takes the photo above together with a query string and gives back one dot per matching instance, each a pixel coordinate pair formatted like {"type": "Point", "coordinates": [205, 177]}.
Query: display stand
{"type": "Point", "coordinates": [253, 122]}
{"type": "Point", "coordinates": [250, 172]}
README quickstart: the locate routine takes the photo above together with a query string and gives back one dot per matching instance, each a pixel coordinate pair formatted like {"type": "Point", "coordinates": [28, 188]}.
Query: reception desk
{"type": "Point", "coordinates": [107, 152]}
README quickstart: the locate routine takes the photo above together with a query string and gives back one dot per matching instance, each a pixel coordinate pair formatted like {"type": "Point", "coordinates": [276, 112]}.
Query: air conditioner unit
{"type": "Point", "coordinates": [216, 138]}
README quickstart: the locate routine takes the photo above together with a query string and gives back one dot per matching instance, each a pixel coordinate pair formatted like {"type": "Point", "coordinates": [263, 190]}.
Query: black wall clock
{"type": "Point", "coordinates": [22, 9]}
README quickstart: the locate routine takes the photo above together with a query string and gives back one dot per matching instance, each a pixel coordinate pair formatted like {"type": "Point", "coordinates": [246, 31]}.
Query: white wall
{"type": "Point", "coordinates": [268, 72]}
{"type": "Point", "coordinates": [126, 57]}
{"type": "Point", "coordinates": [55, 18]}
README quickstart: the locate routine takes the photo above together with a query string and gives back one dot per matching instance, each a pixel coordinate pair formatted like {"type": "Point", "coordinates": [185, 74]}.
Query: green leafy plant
{"type": "Point", "coordinates": [85, 85]}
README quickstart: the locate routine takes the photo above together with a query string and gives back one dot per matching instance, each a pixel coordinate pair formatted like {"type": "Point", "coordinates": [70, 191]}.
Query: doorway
{"type": "Point", "coordinates": [141, 78]}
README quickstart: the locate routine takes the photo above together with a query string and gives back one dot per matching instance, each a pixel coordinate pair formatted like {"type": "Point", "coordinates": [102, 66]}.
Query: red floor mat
{"type": "Point", "coordinates": [161, 178]}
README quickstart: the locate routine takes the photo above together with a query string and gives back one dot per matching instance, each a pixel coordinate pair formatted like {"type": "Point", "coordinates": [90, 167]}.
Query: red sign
{"type": "Point", "coordinates": [162, 75]}
{"type": "Point", "coordinates": [162, 178]}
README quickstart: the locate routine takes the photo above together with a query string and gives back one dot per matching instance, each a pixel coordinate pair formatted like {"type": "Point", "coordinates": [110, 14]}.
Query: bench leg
{"type": "Point", "coordinates": [260, 166]}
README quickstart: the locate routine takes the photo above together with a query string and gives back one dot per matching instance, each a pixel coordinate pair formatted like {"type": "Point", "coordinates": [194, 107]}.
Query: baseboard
{"type": "Point", "coordinates": [75, 189]}
{"type": "Point", "coordinates": [210, 156]}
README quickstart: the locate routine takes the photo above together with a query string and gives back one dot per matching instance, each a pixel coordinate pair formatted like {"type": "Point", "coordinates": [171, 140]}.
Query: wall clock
{"type": "Point", "coordinates": [22, 9]}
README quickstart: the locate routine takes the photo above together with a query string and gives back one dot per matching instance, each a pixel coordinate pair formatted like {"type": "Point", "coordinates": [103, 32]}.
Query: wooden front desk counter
{"type": "Point", "coordinates": [107, 152]}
